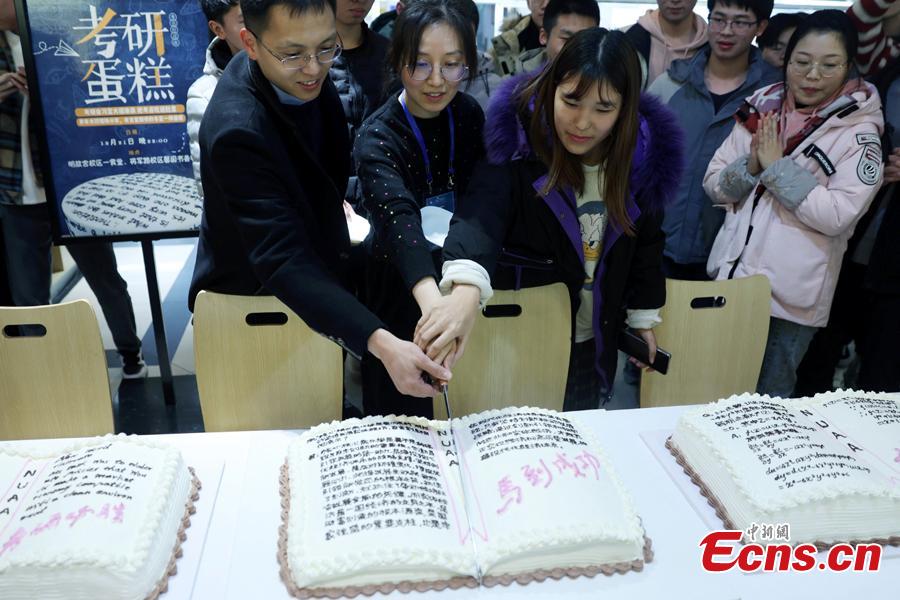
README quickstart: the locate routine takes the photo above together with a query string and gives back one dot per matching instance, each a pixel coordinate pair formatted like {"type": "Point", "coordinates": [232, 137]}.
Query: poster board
{"type": "Point", "coordinates": [108, 82]}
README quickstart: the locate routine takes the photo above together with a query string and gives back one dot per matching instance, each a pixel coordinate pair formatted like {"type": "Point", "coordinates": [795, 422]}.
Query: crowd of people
{"type": "Point", "coordinates": [744, 143]}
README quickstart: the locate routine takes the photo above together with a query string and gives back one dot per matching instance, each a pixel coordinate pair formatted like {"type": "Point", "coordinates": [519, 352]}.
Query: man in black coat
{"type": "Point", "coordinates": [274, 161]}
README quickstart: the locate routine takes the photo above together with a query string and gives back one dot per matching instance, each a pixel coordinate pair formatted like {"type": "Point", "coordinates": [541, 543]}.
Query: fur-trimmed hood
{"type": "Point", "coordinates": [658, 158]}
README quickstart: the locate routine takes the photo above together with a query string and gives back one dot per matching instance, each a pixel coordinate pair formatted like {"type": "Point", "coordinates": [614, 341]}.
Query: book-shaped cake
{"type": "Point", "coordinates": [388, 503]}
{"type": "Point", "coordinates": [103, 519]}
{"type": "Point", "coordinates": [827, 466]}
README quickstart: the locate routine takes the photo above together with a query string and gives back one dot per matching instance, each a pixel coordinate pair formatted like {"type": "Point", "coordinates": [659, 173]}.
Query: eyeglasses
{"type": "Point", "coordinates": [805, 67]}
{"type": "Point", "coordinates": [421, 70]}
{"type": "Point", "coordinates": [719, 24]}
{"type": "Point", "coordinates": [295, 62]}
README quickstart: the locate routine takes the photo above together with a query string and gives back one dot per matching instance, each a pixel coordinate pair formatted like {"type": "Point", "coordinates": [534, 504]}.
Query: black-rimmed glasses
{"type": "Point", "coordinates": [719, 24]}
{"type": "Point", "coordinates": [295, 62]}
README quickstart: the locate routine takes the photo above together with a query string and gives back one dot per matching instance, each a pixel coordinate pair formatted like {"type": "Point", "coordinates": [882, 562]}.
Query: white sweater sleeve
{"type": "Point", "coordinates": [466, 271]}
{"type": "Point", "coordinates": [643, 318]}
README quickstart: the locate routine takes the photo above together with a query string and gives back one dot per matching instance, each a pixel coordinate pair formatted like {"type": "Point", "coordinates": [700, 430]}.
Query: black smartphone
{"type": "Point", "coordinates": [634, 345]}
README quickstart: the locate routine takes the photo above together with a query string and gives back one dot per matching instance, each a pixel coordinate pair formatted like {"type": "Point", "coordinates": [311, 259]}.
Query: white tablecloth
{"type": "Point", "coordinates": [237, 559]}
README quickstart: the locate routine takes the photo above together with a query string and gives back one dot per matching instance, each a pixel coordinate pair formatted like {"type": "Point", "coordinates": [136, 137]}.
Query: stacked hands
{"type": "Point", "coordinates": [445, 325]}
{"type": "Point", "coordinates": [764, 145]}
{"type": "Point", "coordinates": [440, 339]}
{"type": "Point", "coordinates": [420, 367]}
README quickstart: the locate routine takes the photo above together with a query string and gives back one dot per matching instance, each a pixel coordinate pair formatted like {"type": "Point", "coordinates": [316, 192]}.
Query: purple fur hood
{"type": "Point", "coordinates": [658, 158]}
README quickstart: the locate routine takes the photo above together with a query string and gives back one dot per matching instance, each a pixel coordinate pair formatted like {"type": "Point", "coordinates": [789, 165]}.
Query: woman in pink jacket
{"type": "Point", "coordinates": [798, 170]}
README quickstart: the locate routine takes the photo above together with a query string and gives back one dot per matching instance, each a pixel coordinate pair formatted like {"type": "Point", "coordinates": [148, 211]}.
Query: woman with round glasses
{"type": "Point", "coordinates": [795, 175]}
{"type": "Point", "coordinates": [415, 155]}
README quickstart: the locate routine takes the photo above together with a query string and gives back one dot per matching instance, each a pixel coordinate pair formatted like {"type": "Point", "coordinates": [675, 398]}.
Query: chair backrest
{"type": "Point", "coordinates": [716, 332]}
{"type": "Point", "coordinates": [259, 366]}
{"type": "Point", "coordinates": [53, 376]}
{"type": "Point", "coordinates": [517, 354]}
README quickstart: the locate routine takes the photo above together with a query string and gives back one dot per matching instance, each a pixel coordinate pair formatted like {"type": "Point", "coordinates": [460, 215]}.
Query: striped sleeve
{"type": "Point", "coordinates": [875, 48]}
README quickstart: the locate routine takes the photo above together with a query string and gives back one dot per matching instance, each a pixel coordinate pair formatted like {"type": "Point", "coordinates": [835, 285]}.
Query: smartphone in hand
{"type": "Point", "coordinates": [634, 345]}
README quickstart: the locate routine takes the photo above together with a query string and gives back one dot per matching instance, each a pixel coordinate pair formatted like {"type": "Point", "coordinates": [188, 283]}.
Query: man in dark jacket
{"type": "Point", "coordinates": [275, 159]}
{"type": "Point", "coordinates": [358, 73]}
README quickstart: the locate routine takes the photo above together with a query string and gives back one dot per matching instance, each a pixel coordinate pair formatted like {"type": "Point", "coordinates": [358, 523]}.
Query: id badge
{"type": "Point", "coordinates": [447, 201]}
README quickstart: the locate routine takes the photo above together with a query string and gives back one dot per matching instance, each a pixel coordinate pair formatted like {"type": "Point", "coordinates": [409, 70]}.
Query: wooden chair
{"type": "Point", "coordinates": [260, 367]}
{"type": "Point", "coordinates": [517, 354]}
{"type": "Point", "coordinates": [53, 376]}
{"type": "Point", "coordinates": [716, 332]}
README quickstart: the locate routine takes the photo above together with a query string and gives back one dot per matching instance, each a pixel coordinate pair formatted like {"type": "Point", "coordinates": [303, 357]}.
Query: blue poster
{"type": "Point", "coordinates": [113, 78]}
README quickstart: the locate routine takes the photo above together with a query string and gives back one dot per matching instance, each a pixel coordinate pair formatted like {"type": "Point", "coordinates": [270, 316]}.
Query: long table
{"type": "Point", "coordinates": [231, 552]}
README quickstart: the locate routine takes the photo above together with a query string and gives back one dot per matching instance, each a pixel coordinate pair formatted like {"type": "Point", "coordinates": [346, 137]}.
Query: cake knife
{"type": "Point", "coordinates": [446, 400]}
{"type": "Point", "coordinates": [478, 573]}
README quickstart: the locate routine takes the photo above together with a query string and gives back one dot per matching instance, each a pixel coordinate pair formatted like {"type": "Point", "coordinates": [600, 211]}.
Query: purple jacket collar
{"type": "Point", "coordinates": [658, 159]}
{"type": "Point", "coordinates": [656, 169]}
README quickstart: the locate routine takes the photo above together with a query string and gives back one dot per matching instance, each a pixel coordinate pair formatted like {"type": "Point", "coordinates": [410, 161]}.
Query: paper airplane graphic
{"type": "Point", "coordinates": [63, 49]}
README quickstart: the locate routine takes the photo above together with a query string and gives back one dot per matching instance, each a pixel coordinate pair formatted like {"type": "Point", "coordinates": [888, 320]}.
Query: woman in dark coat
{"type": "Point", "coordinates": [415, 152]}
{"type": "Point", "coordinates": [579, 168]}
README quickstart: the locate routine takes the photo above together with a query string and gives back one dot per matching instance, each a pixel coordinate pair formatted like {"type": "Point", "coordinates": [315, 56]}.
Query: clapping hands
{"type": "Point", "coordinates": [764, 145]}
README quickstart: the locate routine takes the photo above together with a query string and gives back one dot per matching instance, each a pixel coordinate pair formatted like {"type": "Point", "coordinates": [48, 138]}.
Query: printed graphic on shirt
{"type": "Point", "coordinates": [869, 168]}
{"type": "Point", "coordinates": [592, 219]}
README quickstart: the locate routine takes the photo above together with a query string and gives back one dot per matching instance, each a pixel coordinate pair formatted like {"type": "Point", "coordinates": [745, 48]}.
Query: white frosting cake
{"type": "Point", "coordinates": [574, 511]}
{"type": "Point", "coordinates": [380, 503]}
{"type": "Point", "coordinates": [317, 557]}
{"type": "Point", "coordinates": [133, 203]}
{"type": "Point", "coordinates": [828, 466]}
{"type": "Point", "coordinates": [101, 520]}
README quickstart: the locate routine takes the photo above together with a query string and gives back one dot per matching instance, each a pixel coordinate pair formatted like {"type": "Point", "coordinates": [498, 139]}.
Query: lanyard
{"type": "Point", "coordinates": [421, 140]}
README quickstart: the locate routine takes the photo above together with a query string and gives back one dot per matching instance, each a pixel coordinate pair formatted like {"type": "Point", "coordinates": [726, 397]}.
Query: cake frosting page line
{"type": "Point", "coordinates": [26, 495]}
{"type": "Point", "coordinates": [13, 481]}
{"type": "Point", "coordinates": [448, 462]}
{"type": "Point", "coordinates": [477, 524]}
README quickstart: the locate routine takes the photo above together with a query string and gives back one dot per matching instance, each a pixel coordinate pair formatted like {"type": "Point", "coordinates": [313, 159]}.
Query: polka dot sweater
{"type": "Point", "coordinates": [391, 173]}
